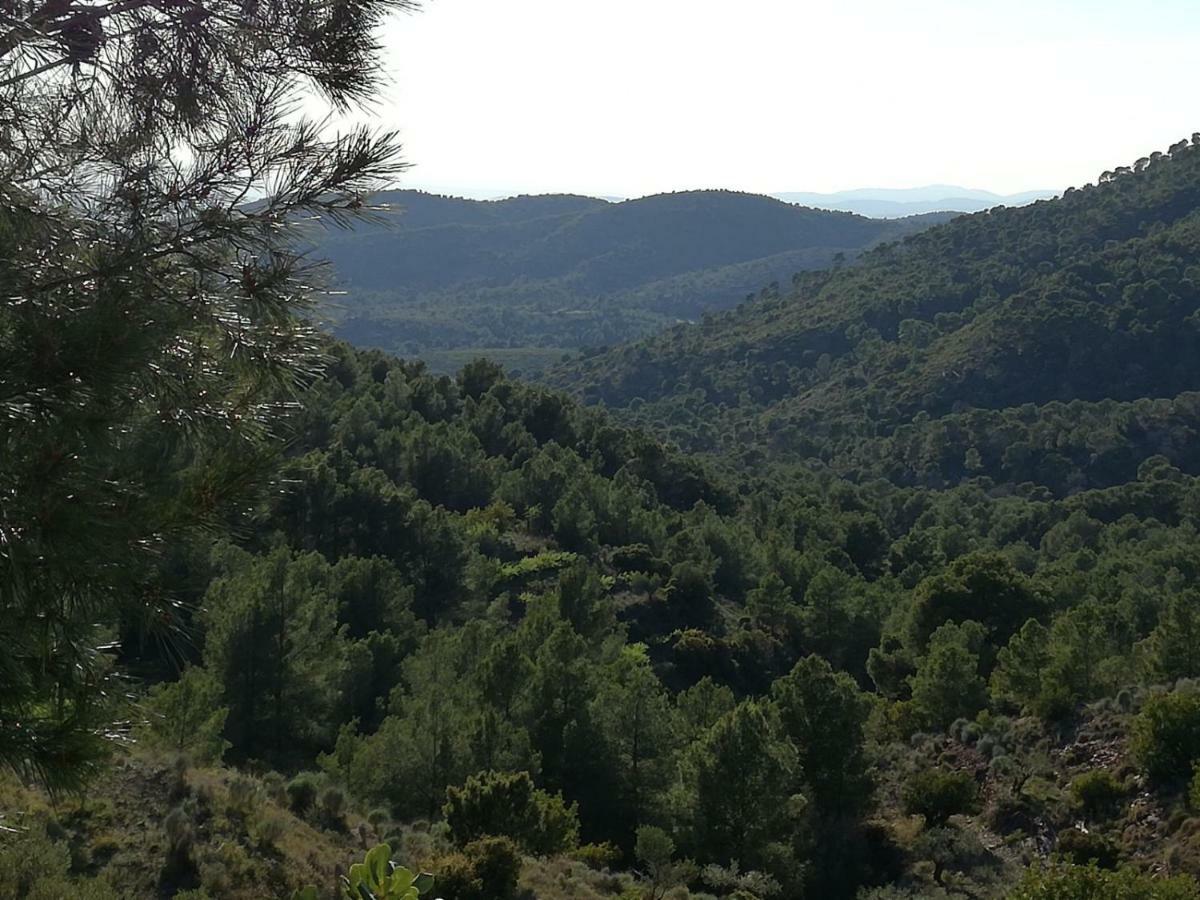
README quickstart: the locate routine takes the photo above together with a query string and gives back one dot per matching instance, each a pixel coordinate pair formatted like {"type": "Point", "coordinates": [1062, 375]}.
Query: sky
{"type": "Point", "coordinates": [633, 97]}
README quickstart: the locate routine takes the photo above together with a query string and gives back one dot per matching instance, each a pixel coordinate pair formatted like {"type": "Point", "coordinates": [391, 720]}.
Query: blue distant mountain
{"type": "Point", "coordinates": [895, 203]}
{"type": "Point", "coordinates": [875, 203]}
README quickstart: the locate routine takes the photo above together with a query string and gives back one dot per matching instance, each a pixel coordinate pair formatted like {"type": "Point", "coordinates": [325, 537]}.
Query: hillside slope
{"type": "Point", "coordinates": [968, 337]}
{"type": "Point", "coordinates": [451, 582]}
{"type": "Point", "coordinates": [565, 272]}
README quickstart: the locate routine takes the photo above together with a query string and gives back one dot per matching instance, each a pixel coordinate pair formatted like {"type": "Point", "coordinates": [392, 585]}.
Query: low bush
{"type": "Point", "coordinates": [486, 869]}
{"type": "Point", "coordinates": [331, 808]}
{"type": "Point", "coordinates": [266, 828]}
{"type": "Point", "coordinates": [32, 865]}
{"type": "Point", "coordinates": [181, 838]}
{"type": "Point", "coordinates": [1084, 848]}
{"type": "Point", "coordinates": [1073, 882]}
{"type": "Point", "coordinates": [275, 788]}
{"type": "Point", "coordinates": [302, 793]}
{"type": "Point", "coordinates": [508, 805]}
{"type": "Point", "coordinates": [598, 856]}
{"type": "Point", "coordinates": [1097, 793]}
{"type": "Point", "coordinates": [938, 794]}
{"type": "Point", "coordinates": [242, 795]}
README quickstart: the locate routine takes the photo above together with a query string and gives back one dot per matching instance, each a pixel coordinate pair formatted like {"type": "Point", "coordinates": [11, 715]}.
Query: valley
{"type": "Point", "coordinates": [537, 277]}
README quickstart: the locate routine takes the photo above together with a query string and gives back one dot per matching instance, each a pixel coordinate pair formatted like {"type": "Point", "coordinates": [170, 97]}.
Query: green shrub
{"type": "Point", "coordinates": [637, 558]}
{"type": "Point", "coordinates": [598, 856]}
{"type": "Point", "coordinates": [508, 805]}
{"type": "Point", "coordinates": [558, 824]}
{"type": "Point", "coordinates": [497, 863]}
{"type": "Point", "coordinates": [655, 850]}
{"type": "Point", "coordinates": [331, 808]}
{"type": "Point", "coordinates": [542, 564]}
{"type": "Point", "coordinates": [227, 867]}
{"type": "Point", "coordinates": [1097, 792]}
{"type": "Point", "coordinates": [948, 849]}
{"type": "Point", "coordinates": [1003, 766]}
{"type": "Point", "coordinates": [275, 788]}
{"type": "Point", "coordinates": [302, 793]}
{"type": "Point", "coordinates": [938, 794]}
{"type": "Point", "coordinates": [1084, 847]}
{"type": "Point", "coordinates": [35, 867]}
{"type": "Point", "coordinates": [456, 878]}
{"type": "Point", "coordinates": [379, 817]}
{"type": "Point", "coordinates": [185, 717]}
{"type": "Point", "coordinates": [486, 869]}
{"type": "Point", "coordinates": [1166, 734]}
{"type": "Point", "coordinates": [1194, 789]}
{"type": "Point", "coordinates": [266, 828]}
{"type": "Point", "coordinates": [1068, 882]}
{"type": "Point", "coordinates": [242, 795]}
{"type": "Point", "coordinates": [732, 883]}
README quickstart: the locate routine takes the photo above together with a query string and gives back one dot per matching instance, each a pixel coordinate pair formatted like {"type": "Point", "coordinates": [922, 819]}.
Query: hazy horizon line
{"type": "Point", "coordinates": [496, 194]}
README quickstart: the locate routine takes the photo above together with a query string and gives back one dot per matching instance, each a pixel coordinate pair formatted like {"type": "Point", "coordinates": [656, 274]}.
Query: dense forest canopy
{"type": "Point", "coordinates": [460, 581]}
{"type": "Point", "coordinates": [529, 278]}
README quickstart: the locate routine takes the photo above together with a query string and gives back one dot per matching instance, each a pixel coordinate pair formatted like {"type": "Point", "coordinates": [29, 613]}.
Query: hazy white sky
{"type": "Point", "coordinates": [631, 97]}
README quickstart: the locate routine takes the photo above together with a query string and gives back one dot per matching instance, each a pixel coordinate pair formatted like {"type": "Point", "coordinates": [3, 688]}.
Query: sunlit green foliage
{"type": "Point", "coordinates": [1066, 882]}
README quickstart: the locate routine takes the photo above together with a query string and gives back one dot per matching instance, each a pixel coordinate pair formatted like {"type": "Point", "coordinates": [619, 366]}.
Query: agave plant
{"type": "Point", "coordinates": [378, 878]}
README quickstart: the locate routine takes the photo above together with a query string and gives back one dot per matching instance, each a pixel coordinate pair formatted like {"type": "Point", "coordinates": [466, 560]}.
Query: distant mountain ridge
{"type": "Point", "coordinates": [559, 272]}
{"type": "Point", "coordinates": [1056, 344]}
{"type": "Point", "coordinates": [898, 202]}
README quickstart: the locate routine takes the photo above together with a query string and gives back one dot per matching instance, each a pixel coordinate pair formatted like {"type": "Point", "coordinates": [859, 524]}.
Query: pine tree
{"type": "Point", "coordinates": [947, 684]}
{"type": "Point", "coordinates": [153, 183]}
{"type": "Point", "coordinates": [824, 713]}
{"type": "Point", "coordinates": [634, 712]}
{"type": "Point", "coordinates": [273, 641]}
{"type": "Point", "coordinates": [740, 779]}
{"type": "Point", "coordinates": [186, 716]}
{"type": "Point", "coordinates": [1020, 665]}
{"type": "Point", "coordinates": [1083, 661]}
{"type": "Point", "coordinates": [702, 705]}
{"type": "Point", "coordinates": [1173, 649]}
{"type": "Point", "coordinates": [771, 606]}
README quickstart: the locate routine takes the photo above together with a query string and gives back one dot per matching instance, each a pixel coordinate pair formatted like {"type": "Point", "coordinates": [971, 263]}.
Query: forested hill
{"type": "Point", "coordinates": [560, 272]}
{"type": "Point", "coordinates": [602, 670]}
{"type": "Point", "coordinates": [952, 353]}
